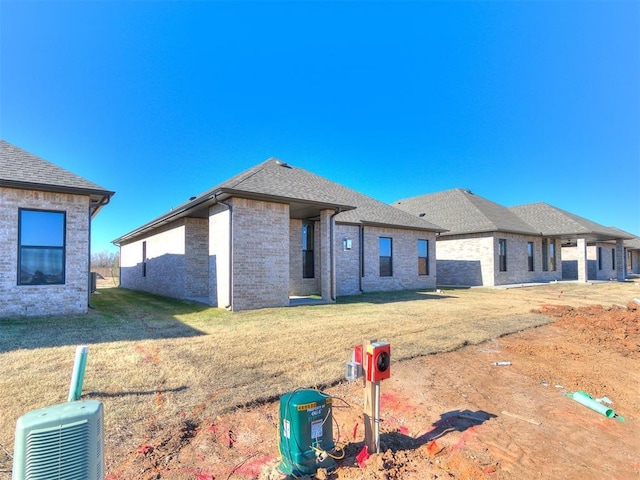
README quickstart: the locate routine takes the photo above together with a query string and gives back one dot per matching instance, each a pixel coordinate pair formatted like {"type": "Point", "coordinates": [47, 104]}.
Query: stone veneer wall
{"type": "Point", "coordinates": [31, 300]}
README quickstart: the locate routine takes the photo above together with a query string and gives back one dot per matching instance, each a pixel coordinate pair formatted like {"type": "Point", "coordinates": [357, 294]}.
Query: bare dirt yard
{"type": "Point", "coordinates": [454, 414]}
{"type": "Point", "coordinates": [191, 392]}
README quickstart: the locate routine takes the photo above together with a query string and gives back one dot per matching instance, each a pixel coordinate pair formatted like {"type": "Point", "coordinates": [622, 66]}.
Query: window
{"type": "Point", "coordinates": [613, 259]}
{"type": "Point", "coordinates": [530, 256]}
{"type": "Point", "coordinates": [599, 258]}
{"type": "Point", "coordinates": [386, 256]}
{"type": "Point", "coordinates": [308, 268]}
{"type": "Point", "coordinates": [41, 255]}
{"type": "Point", "coordinates": [502, 254]}
{"type": "Point", "coordinates": [548, 255]}
{"type": "Point", "coordinates": [144, 259]}
{"type": "Point", "coordinates": [423, 257]}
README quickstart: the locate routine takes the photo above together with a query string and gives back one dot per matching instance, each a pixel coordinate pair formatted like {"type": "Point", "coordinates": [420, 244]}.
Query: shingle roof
{"type": "Point", "coordinates": [306, 192]}
{"type": "Point", "coordinates": [552, 221]}
{"type": "Point", "coordinates": [21, 169]}
{"type": "Point", "coordinates": [462, 212]}
{"type": "Point", "coordinates": [633, 244]}
{"type": "Point", "coordinates": [278, 179]}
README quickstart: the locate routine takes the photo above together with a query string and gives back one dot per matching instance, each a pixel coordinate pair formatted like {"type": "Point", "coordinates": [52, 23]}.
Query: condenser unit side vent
{"type": "Point", "coordinates": [62, 449]}
{"type": "Point", "coordinates": [63, 441]}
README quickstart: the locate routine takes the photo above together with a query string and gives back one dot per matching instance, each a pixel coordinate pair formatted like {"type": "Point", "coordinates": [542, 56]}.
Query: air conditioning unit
{"type": "Point", "coordinates": [61, 442]}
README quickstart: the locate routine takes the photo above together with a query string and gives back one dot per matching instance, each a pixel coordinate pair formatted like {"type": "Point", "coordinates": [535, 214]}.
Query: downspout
{"type": "Point", "coordinates": [361, 259]}
{"type": "Point", "coordinates": [230, 209]}
{"type": "Point", "coordinates": [331, 255]}
{"type": "Point", "coordinates": [92, 209]}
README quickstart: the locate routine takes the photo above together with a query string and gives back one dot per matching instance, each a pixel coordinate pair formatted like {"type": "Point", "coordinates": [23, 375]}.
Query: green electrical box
{"type": "Point", "coordinates": [306, 432]}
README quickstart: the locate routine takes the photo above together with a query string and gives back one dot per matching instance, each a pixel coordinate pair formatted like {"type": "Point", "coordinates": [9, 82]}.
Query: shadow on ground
{"type": "Point", "coordinates": [394, 297]}
{"type": "Point", "coordinates": [117, 315]}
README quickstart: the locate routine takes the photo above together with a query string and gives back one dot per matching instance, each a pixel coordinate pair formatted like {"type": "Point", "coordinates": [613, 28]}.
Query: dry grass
{"type": "Point", "coordinates": [154, 362]}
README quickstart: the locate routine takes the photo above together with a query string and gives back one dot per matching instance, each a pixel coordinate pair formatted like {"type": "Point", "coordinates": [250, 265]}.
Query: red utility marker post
{"type": "Point", "coordinates": [377, 367]}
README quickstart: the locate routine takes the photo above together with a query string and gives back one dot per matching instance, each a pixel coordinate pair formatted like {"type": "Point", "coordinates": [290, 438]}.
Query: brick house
{"type": "Point", "coordinates": [45, 235]}
{"type": "Point", "coordinates": [632, 249]}
{"type": "Point", "coordinates": [590, 251]}
{"type": "Point", "coordinates": [485, 243]}
{"type": "Point", "coordinates": [273, 232]}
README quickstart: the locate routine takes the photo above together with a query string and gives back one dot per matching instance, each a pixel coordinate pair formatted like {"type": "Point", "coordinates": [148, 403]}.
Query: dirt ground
{"type": "Point", "coordinates": [454, 415]}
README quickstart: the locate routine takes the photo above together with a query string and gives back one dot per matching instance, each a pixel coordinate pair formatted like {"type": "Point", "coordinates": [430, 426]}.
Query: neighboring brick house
{"type": "Point", "coordinates": [632, 249]}
{"type": "Point", "coordinates": [590, 251]}
{"type": "Point", "coordinates": [45, 225]}
{"type": "Point", "coordinates": [273, 232]}
{"type": "Point", "coordinates": [485, 243]}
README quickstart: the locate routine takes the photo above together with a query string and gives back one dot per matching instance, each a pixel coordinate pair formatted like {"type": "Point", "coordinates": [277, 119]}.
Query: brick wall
{"type": "Point", "coordinates": [176, 263]}
{"type": "Point", "coordinates": [196, 281]}
{"type": "Point", "coordinates": [473, 260]}
{"type": "Point", "coordinates": [30, 300]}
{"type": "Point", "coordinates": [633, 262]}
{"type": "Point", "coordinates": [347, 260]}
{"type": "Point", "coordinates": [299, 286]}
{"type": "Point", "coordinates": [405, 260]}
{"type": "Point", "coordinates": [165, 262]}
{"type": "Point", "coordinates": [219, 256]}
{"type": "Point", "coordinates": [605, 269]}
{"type": "Point", "coordinates": [465, 260]}
{"type": "Point", "coordinates": [260, 254]}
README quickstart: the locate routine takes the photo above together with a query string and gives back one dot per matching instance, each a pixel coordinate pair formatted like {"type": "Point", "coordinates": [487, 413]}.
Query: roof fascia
{"type": "Point", "coordinates": [403, 227]}
{"type": "Point", "coordinates": [55, 188]}
{"type": "Point", "coordinates": [231, 192]}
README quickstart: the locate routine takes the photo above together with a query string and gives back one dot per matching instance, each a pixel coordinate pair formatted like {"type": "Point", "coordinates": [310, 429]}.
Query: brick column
{"type": "Point", "coordinates": [582, 261]}
{"type": "Point", "coordinates": [621, 266]}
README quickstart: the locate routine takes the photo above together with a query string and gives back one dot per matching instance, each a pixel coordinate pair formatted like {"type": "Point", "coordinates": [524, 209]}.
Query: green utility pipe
{"type": "Point", "coordinates": [586, 400]}
{"type": "Point", "coordinates": [75, 389]}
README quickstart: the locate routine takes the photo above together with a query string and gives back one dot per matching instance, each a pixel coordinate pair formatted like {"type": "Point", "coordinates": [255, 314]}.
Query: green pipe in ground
{"type": "Point", "coordinates": [79, 365]}
{"type": "Point", "coordinates": [586, 400]}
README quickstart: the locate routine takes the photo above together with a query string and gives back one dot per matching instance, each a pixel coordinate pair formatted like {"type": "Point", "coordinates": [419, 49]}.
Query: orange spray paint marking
{"type": "Point", "coordinates": [433, 448]}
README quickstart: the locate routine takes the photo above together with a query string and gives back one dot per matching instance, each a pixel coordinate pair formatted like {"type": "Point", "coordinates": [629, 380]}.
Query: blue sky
{"type": "Point", "coordinates": [518, 101]}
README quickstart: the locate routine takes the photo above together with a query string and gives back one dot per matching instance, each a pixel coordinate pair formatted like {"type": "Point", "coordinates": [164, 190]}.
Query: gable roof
{"type": "Point", "coordinates": [305, 192]}
{"type": "Point", "coordinates": [23, 170]}
{"type": "Point", "coordinates": [554, 222]}
{"type": "Point", "coordinates": [462, 212]}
